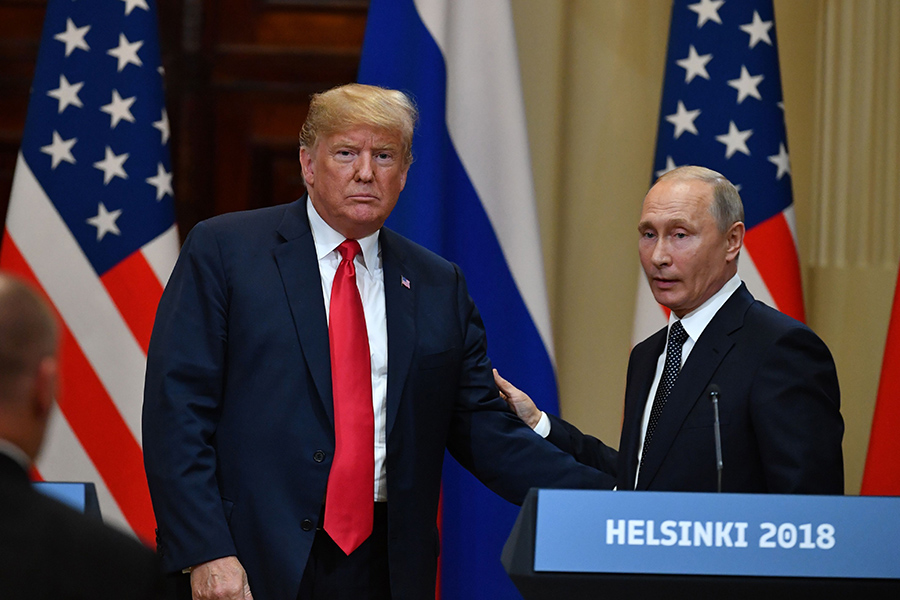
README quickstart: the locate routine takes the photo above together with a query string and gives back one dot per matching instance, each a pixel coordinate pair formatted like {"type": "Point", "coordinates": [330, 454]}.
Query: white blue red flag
{"type": "Point", "coordinates": [469, 197]}
{"type": "Point", "coordinates": [722, 108]}
{"type": "Point", "coordinates": [91, 223]}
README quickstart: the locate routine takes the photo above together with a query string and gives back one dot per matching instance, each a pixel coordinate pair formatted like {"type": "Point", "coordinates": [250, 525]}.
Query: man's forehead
{"type": "Point", "coordinates": [361, 134]}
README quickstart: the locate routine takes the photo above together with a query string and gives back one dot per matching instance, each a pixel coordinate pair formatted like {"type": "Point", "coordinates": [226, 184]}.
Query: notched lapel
{"type": "Point", "coordinates": [400, 308]}
{"type": "Point", "coordinates": [299, 269]}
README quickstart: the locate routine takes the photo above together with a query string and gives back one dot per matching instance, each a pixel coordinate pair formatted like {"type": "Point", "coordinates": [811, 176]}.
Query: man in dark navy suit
{"type": "Point", "coordinates": [47, 550]}
{"type": "Point", "coordinates": [255, 346]}
{"type": "Point", "coordinates": [779, 400]}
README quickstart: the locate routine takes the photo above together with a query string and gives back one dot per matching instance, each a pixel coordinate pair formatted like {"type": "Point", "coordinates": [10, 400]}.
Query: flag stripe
{"type": "Point", "coordinates": [62, 458]}
{"type": "Point", "coordinates": [775, 254]}
{"type": "Point", "coordinates": [475, 34]}
{"type": "Point", "coordinates": [97, 425]}
{"type": "Point", "coordinates": [882, 472]}
{"type": "Point", "coordinates": [135, 289]}
{"type": "Point", "coordinates": [72, 285]}
{"type": "Point", "coordinates": [161, 254]}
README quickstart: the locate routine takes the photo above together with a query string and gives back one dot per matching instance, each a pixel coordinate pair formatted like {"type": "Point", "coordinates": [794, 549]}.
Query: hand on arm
{"type": "Point", "coordinates": [518, 401]}
{"type": "Point", "coordinates": [220, 579]}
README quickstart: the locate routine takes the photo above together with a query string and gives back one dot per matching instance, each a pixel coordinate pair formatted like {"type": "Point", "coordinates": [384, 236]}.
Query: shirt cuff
{"type": "Point", "coordinates": [543, 426]}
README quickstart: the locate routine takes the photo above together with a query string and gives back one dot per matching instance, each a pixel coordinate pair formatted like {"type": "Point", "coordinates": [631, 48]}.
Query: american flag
{"type": "Point", "coordinates": [91, 223]}
{"type": "Point", "coordinates": [722, 108]}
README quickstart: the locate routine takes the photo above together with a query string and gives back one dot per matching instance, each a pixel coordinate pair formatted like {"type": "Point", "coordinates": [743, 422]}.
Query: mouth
{"type": "Point", "coordinates": [664, 284]}
{"type": "Point", "coordinates": [363, 197]}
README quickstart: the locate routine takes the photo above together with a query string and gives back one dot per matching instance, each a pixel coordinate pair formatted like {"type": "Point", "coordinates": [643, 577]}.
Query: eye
{"type": "Point", "coordinates": [680, 235]}
{"type": "Point", "coordinates": [647, 235]}
{"type": "Point", "coordinates": [384, 157]}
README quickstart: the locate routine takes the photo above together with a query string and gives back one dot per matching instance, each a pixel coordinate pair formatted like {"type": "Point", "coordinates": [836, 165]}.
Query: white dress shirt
{"type": "Point", "coordinates": [694, 323]}
{"type": "Point", "coordinates": [370, 282]}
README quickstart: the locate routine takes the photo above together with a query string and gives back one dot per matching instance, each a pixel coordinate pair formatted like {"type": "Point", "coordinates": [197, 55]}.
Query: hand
{"type": "Point", "coordinates": [519, 401]}
{"type": "Point", "coordinates": [220, 579]}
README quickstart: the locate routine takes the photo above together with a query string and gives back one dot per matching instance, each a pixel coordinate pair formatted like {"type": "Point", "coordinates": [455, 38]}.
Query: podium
{"type": "Point", "coordinates": [621, 544]}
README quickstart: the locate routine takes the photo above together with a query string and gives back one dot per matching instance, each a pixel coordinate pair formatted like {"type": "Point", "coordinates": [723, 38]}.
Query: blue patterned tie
{"type": "Point", "coordinates": [677, 337]}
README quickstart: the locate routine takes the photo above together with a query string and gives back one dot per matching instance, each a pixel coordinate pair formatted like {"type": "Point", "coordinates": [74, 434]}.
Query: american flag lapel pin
{"type": "Point", "coordinates": [404, 282]}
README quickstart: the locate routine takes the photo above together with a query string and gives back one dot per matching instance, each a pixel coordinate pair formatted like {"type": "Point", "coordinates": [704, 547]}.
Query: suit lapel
{"type": "Point", "coordinates": [695, 377]}
{"type": "Point", "coordinates": [299, 269]}
{"type": "Point", "coordinates": [400, 303]}
{"type": "Point", "coordinates": [644, 360]}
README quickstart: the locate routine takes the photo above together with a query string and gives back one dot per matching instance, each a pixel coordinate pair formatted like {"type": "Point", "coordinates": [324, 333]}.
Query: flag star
{"type": "Point", "coordinates": [112, 165]}
{"type": "Point", "coordinates": [105, 221]}
{"type": "Point", "coordinates": [735, 140]}
{"type": "Point", "coordinates": [67, 93]}
{"type": "Point", "coordinates": [781, 105]}
{"type": "Point", "coordinates": [162, 181]}
{"type": "Point", "coordinates": [758, 30]}
{"type": "Point", "coordinates": [126, 52]}
{"type": "Point", "coordinates": [683, 120]}
{"type": "Point", "coordinates": [59, 150]}
{"type": "Point", "coordinates": [73, 37]}
{"type": "Point", "coordinates": [670, 166]}
{"type": "Point", "coordinates": [119, 109]}
{"type": "Point", "coordinates": [707, 10]}
{"type": "Point", "coordinates": [694, 64]}
{"type": "Point", "coordinates": [163, 126]}
{"type": "Point", "coordinates": [746, 85]}
{"type": "Point", "coordinates": [782, 161]}
{"type": "Point", "coordinates": [130, 5]}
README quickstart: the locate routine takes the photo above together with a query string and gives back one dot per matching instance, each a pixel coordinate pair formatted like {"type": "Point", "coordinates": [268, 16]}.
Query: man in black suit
{"type": "Point", "coordinates": [47, 550]}
{"type": "Point", "coordinates": [779, 400]}
{"type": "Point", "coordinates": [243, 419]}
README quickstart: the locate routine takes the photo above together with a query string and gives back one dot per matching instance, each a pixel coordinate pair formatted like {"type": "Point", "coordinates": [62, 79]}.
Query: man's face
{"type": "Point", "coordinates": [354, 178]}
{"type": "Point", "coordinates": [684, 255]}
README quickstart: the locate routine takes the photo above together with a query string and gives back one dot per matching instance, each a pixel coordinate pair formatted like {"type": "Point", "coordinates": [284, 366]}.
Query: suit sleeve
{"type": "Point", "coordinates": [182, 403]}
{"type": "Point", "coordinates": [795, 405]}
{"type": "Point", "coordinates": [489, 440]}
{"type": "Point", "coordinates": [586, 449]}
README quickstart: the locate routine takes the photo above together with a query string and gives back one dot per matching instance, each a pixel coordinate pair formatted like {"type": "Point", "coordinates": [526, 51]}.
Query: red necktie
{"type": "Point", "coordinates": [351, 483]}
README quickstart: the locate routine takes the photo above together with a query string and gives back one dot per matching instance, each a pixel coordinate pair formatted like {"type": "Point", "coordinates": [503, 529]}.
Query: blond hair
{"type": "Point", "coordinates": [347, 106]}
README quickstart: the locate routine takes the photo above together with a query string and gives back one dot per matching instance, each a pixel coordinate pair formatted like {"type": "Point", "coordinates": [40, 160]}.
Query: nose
{"type": "Point", "coordinates": [364, 170]}
{"type": "Point", "coordinates": [661, 256]}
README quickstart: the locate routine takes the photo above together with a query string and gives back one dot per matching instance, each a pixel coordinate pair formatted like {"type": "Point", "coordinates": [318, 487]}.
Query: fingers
{"type": "Point", "coordinates": [220, 579]}
{"type": "Point", "coordinates": [506, 388]}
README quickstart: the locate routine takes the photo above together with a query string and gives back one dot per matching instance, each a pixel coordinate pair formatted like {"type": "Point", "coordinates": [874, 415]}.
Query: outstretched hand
{"type": "Point", "coordinates": [518, 401]}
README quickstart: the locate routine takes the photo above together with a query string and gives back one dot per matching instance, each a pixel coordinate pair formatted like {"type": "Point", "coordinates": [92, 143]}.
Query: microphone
{"type": "Point", "coordinates": [714, 398]}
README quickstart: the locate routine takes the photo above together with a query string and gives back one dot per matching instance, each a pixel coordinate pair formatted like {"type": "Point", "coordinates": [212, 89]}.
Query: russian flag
{"type": "Point", "coordinates": [469, 197]}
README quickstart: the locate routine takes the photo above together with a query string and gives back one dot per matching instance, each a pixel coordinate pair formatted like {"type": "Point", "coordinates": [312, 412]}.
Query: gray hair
{"type": "Point", "coordinates": [726, 207]}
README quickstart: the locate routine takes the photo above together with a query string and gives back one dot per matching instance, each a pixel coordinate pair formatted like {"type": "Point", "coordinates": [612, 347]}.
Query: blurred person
{"type": "Point", "coordinates": [47, 550]}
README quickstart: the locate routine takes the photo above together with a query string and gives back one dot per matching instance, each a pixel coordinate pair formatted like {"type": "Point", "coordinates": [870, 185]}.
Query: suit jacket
{"type": "Point", "coordinates": [779, 411]}
{"type": "Point", "coordinates": [50, 552]}
{"type": "Point", "coordinates": [238, 423]}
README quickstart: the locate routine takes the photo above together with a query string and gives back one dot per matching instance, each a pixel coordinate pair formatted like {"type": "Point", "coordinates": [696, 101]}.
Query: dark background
{"type": "Point", "coordinates": [239, 74]}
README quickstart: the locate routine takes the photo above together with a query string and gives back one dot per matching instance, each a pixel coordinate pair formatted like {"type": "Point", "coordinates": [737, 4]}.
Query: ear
{"type": "Point", "coordinates": [403, 175]}
{"type": "Point", "coordinates": [734, 241]}
{"type": "Point", "coordinates": [306, 164]}
{"type": "Point", "coordinates": [45, 386]}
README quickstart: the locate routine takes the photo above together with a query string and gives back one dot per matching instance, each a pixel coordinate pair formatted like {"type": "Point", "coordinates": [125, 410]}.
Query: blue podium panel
{"type": "Point", "coordinates": [670, 533]}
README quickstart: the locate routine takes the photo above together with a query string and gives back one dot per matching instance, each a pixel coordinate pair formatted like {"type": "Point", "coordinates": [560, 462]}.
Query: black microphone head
{"type": "Point", "coordinates": [712, 389]}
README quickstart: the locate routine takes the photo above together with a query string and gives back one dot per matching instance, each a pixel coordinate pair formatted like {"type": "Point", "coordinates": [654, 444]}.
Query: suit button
{"type": "Point", "coordinates": [306, 525]}
{"type": "Point", "coordinates": [318, 456]}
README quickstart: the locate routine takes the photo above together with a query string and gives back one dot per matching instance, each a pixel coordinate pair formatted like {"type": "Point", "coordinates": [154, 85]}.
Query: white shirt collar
{"type": "Point", "coordinates": [327, 239]}
{"type": "Point", "coordinates": [696, 321]}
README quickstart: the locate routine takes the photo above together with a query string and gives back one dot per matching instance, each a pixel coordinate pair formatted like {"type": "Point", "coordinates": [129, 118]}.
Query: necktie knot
{"type": "Point", "coordinates": [349, 249]}
{"type": "Point", "coordinates": [677, 334]}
